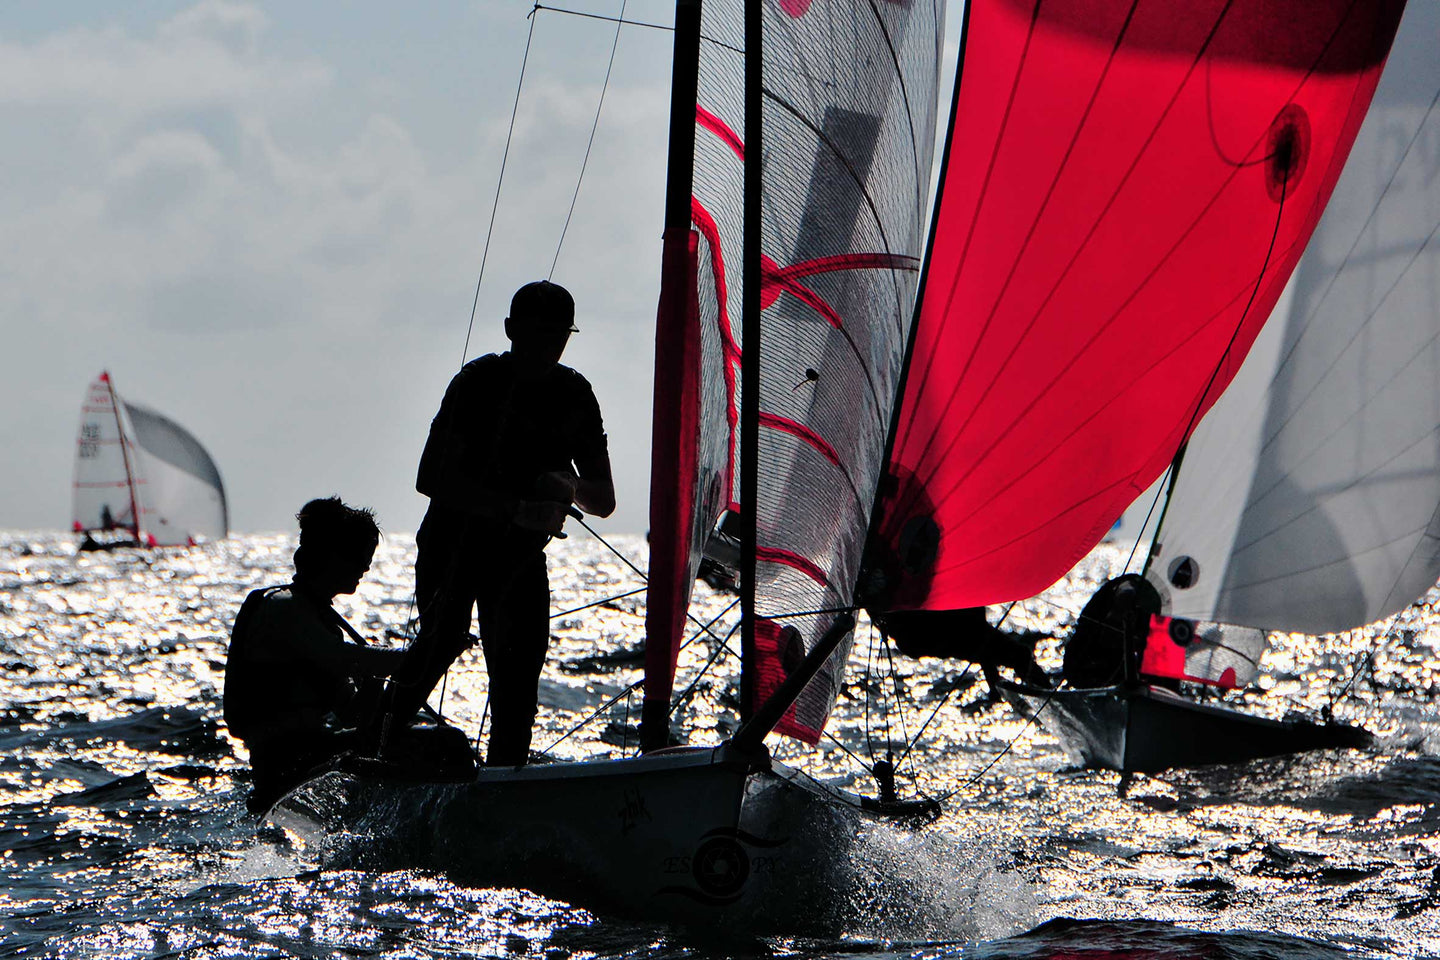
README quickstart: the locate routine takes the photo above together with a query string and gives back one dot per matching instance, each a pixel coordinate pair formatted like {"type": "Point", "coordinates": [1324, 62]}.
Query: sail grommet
{"type": "Point", "coordinates": [1181, 631]}
{"type": "Point", "coordinates": [1287, 148]}
{"type": "Point", "coordinates": [1184, 572]}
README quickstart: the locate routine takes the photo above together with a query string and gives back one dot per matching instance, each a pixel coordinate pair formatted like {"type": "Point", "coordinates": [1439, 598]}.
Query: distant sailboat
{"type": "Point", "coordinates": [141, 479]}
{"type": "Point", "coordinates": [1308, 500]}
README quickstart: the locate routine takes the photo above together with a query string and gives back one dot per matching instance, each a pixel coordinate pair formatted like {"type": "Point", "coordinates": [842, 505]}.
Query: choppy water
{"type": "Point", "coordinates": [123, 831]}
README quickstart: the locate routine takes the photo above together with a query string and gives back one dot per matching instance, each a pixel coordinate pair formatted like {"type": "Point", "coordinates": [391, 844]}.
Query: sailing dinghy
{"type": "Point", "coordinates": [1099, 259]}
{"type": "Point", "coordinates": [141, 479]}
{"type": "Point", "coordinates": [1308, 501]}
{"type": "Point", "coordinates": [724, 835]}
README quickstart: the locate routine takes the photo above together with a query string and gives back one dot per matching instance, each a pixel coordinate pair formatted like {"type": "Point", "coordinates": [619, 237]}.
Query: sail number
{"type": "Point", "coordinates": [89, 441]}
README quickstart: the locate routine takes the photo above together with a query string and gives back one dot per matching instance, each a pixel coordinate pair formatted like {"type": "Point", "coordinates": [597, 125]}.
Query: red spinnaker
{"type": "Point", "coordinates": [1127, 189]}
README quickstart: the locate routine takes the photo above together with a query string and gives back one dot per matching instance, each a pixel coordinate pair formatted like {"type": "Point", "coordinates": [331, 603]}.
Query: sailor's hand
{"type": "Point", "coordinates": [546, 516]}
{"type": "Point", "coordinates": [557, 485]}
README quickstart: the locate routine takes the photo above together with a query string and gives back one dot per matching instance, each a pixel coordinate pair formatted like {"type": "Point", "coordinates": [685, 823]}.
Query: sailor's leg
{"type": "Point", "coordinates": [515, 632]}
{"type": "Point", "coordinates": [445, 599]}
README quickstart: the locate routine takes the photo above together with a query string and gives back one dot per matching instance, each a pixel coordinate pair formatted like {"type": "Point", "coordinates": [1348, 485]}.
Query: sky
{"type": "Point", "coordinates": [267, 221]}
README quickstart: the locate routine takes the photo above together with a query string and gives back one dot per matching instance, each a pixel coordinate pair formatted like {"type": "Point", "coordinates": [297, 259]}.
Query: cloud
{"type": "Point", "coordinates": [216, 221]}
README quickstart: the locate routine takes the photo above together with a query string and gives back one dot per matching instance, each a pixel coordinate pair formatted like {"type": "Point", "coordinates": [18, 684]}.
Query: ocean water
{"type": "Point", "coordinates": [123, 830]}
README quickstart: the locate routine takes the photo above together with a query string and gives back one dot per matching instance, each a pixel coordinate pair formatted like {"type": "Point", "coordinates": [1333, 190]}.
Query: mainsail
{"type": "Point", "coordinates": [1309, 499]}
{"type": "Point", "coordinates": [106, 488]}
{"type": "Point", "coordinates": [138, 470]}
{"type": "Point", "coordinates": [1126, 190]}
{"type": "Point", "coordinates": [848, 117]}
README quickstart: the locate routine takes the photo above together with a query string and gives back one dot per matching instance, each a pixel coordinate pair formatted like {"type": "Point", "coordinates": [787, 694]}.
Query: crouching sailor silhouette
{"type": "Point", "coordinates": [297, 675]}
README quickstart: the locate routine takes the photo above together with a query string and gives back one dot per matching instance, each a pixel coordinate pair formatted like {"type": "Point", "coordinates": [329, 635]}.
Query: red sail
{"type": "Point", "coordinates": [1126, 191]}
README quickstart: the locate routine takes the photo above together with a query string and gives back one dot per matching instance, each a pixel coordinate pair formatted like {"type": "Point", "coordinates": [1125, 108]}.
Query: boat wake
{"type": "Point", "coordinates": [928, 885]}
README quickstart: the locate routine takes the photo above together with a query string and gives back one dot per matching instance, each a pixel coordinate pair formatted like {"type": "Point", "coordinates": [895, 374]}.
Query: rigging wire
{"type": "Point", "coordinates": [620, 20]}
{"type": "Point", "coordinates": [722, 647]}
{"type": "Point", "coordinates": [869, 663]}
{"type": "Point", "coordinates": [499, 183]}
{"type": "Point", "coordinates": [614, 45]}
{"type": "Point", "coordinates": [912, 741]}
{"type": "Point", "coordinates": [598, 603]}
{"type": "Point", "coordinates": [899, 703]}
{"type": "Point", "coordinates": [1365, 663]}
{"type": "Point", "coordinates": [1225, 354]}
{"type": "Point", "coordinates": [705, 629]}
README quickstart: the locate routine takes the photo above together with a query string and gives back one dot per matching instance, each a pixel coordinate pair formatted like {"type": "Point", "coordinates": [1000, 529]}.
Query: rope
{"type": "Point", "coordinates": [598, 603]}
{"type": "Point", "coordinates": [722, 647]}
{"type": "Point", "coordinates": [1220, 363]}
{"type": "Point", "coordinates": [704, 629]}
{"type": "Point", "coordinates": [1154, 502]}
{"type": "Point", "coordinates": [613, 549]}
{"type": "Point", "coordinates": [1365, 663]}
{"type": "Point", "coordinates": [591, 143]}
{"type": "Point", "coordinates": [1008, 747]}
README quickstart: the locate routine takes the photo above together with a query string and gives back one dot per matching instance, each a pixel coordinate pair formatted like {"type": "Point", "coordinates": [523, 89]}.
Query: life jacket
{"type": "Point", "coordinates": [242, 715]}
{"type": "Point", "coordinates": [248, 715]}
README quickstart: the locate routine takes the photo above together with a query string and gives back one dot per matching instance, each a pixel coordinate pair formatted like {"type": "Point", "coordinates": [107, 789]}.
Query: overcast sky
{"type": "Point", "coordinates": [266, 221]}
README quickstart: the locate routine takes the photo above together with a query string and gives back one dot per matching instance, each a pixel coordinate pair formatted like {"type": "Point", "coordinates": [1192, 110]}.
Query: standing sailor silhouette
{"type": "Point", "coordinates": [518, 439]}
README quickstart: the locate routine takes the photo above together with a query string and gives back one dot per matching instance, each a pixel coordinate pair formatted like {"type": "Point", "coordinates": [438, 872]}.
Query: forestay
{"type": "Point", "coordinates": [1307, 500]}
{"type": "Point", "coordinates": [1126, 190]}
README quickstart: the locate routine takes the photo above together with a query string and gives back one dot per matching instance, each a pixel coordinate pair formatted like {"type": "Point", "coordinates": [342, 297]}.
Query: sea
{"type": "Point", "coordinates": [124, 831]}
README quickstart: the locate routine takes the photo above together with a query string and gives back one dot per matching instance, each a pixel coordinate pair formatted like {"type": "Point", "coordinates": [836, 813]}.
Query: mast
{"type": "Point", "coordinates": [125, 455]}
{"type": "Point", "coordinates": [750, 352]}
{"type": "Point", "coordinates": [674, 362]}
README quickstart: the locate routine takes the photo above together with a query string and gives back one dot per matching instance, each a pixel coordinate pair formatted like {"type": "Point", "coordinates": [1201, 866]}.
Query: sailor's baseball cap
{"type": "Point", "coordinates": [544, 304]}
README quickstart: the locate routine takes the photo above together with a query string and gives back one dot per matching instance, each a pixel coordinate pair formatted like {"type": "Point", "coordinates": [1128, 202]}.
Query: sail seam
{"type": "Point", "coordinates": [1060, 170]}
{"type": "Point", "coordinates": [1299, 407]}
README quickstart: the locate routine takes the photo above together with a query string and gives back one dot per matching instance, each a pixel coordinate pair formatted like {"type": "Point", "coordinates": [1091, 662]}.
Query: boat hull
{"type": "Point", "coordinates": [1147, 729]}
{"type": "Point", "coordinates": [699, 837]}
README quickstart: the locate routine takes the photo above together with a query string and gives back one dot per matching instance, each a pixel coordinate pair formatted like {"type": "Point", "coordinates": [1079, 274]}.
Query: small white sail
{"type": "Point", "coordinates": [140, 471]}
{"type": "Point", "coordinates": [1309, 498]}
{"type": "Point", "coordinates": [183, 497]}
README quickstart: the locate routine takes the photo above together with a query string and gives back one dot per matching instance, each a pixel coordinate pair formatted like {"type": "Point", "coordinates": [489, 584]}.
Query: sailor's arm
{"type": "Point", "coordinates": [595, 485]}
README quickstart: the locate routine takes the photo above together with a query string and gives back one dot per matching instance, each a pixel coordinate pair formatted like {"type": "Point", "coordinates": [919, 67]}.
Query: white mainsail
{"type": "Point", "coordinates": [106, 476]}
{"type": "Point", "coordinates": [1309, 498]}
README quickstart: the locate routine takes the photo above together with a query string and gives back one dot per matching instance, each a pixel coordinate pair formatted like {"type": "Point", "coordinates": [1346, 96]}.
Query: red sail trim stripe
{"type": "Point", "coordinates": [789, 558]}
{"type": "Point", "coordinates": [845, 261]}
{"type": "Point", "coordinates": [705, 224]}
{"type": "Point", "coordinates": [721, 129]}
{"type": "Point", "coordinates": [775, 651]}
{"type": "Point", "coordinates": [786, 425]}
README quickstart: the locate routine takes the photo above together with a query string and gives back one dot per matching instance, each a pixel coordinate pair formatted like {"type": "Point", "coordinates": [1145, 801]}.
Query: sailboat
{"type": "Point", "coordinates": [141, 479]}
{"type": "Point", "coordinates": [1308, 499]}
{"type": "Point", "coordinates": [820, 406]}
